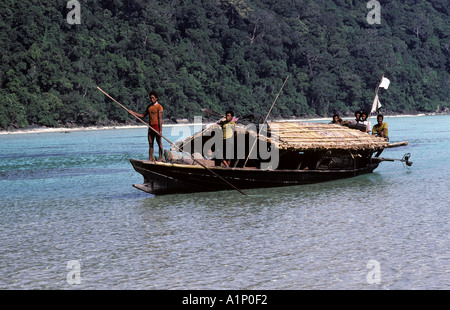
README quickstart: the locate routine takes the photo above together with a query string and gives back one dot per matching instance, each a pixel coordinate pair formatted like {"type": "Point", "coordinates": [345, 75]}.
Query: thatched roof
{"type": "Point", "coordinates": [303, 136]}
{"type": "Point", "coordinates": [320, 136]}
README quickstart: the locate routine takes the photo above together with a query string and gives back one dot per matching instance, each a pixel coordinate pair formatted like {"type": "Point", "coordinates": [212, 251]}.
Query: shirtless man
{"type": "Point", "coordinates": [155, 112]}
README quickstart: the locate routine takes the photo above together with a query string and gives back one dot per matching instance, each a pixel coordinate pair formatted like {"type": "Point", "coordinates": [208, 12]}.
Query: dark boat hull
{"type": "Point", "coordinates": [166, 178]}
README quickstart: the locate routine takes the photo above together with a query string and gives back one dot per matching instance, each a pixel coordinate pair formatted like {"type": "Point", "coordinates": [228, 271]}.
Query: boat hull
{"type": "Point", "coordinates": [166, 178]}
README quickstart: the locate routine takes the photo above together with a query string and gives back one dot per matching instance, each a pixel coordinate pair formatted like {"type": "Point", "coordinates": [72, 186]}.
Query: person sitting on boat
{"type": "Point", "coordinates": [155, 111]}
{"type": "Point", "coordinates": [228, 127]}
{"type": "Point", "coordinates": [357, 118]}
{"type": "Point", "coordinates": [354, 122]}
{"type": "Point", "coordinates": [364, 121]}
{"type": "Point", "coordinates": [380, 129]}
{"type": "Point", "coordinates": [336, 120]}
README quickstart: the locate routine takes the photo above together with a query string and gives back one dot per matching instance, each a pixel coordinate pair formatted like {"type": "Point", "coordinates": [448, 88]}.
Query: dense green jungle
{"type": "Point", "coordinates": [219, 54]}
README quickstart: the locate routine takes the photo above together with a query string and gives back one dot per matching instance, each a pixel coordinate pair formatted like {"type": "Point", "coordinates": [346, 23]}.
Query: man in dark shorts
{"type": "Point", "coordinates": [155, 112]}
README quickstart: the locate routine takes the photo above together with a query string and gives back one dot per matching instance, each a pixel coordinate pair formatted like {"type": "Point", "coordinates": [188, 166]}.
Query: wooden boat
{"type": "Point", "coordinates": [308, 153]}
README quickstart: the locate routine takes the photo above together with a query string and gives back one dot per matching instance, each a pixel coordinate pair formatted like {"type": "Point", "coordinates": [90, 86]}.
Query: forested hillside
{"type": "Point", "coordinates": [218, 54]}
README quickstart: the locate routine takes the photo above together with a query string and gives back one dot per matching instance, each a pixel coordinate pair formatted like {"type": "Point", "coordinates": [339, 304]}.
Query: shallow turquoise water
{"type": "Point", "coordinates": [68, 197]}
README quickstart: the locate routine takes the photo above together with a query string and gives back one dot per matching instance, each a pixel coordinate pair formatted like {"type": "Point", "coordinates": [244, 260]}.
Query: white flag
{"type": "Point", "coordinates": [376, 105]}
{"type": "Point", "coordinates": [385, 83]}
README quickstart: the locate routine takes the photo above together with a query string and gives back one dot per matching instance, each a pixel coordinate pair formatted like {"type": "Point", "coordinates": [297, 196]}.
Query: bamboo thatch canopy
{"type": "Point", "coordinates": [320, 136]}
{"type": "Point", "coordinates": [303, 136]}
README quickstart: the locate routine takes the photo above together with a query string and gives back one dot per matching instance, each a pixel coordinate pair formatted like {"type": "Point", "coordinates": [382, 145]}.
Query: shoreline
{"type": "Point", "coordinates": [43, 129]}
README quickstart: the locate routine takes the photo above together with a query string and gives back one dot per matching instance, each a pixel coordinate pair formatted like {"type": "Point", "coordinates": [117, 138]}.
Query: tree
{"type": "Point", "coordinates": [218, 54]}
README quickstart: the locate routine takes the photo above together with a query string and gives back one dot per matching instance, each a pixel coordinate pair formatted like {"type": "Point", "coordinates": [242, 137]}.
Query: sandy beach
{"type": "Point", "coordinates": [64, 130]}
{"type": "Point", "coordinates": [39, 129]}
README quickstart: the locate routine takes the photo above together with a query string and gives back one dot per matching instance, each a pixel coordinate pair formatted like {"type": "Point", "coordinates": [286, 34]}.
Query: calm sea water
{"type": "Point", "coordinates": [70, 219]}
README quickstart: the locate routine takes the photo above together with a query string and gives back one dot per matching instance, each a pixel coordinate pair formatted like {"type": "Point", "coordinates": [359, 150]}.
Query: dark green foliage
{"type": "Point", "coordinates": [218, 54]}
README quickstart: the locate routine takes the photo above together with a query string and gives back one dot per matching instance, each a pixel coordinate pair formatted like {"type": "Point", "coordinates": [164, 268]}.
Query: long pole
{"type": "Point", "coordinates": [267, 116]}
{"type": "Point", "coordinates": [193, 137]}
{"type": "Point", "coordinates": [142, 121]}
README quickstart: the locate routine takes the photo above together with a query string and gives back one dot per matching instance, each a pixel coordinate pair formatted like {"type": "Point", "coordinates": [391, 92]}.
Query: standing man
{"type": "Point", "coordinates": [155, 112]}
{"type": "Point", "coordinates": [228, 127]}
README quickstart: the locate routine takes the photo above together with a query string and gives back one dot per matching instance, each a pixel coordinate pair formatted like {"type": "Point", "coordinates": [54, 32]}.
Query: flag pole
{"type": "Point", "coordinates": [376, 94]}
